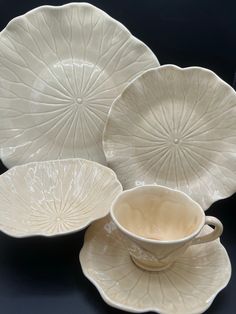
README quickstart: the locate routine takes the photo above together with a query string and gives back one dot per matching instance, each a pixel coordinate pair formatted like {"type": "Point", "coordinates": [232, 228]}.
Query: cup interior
{"type": "Point", "coordinates": [157, 213]}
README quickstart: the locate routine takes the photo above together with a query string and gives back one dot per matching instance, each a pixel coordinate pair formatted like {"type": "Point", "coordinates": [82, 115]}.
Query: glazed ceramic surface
{"type": "Point", "coordinates": [61, 68]}
{"type": "Point", "coordinates": [175, 127]}
{"type": "Point", "coordinates": [159, 224]}
{"type": "Point", "coordinates": [188, 287]}
{"type": "Point", "coordinates": [55, 197]}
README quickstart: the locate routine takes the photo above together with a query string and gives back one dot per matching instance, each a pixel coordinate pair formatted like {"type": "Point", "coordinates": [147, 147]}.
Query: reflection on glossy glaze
{"type": "Point", "coordinates": [61, 69]}
{"type": "Point", "coordinates": [158, 213]}
{"type": "Point", "coordinates": [189, 286]}
{"type": "Point", "coordinates": [175, 127]}
{"type": "Point", "coordinates": [55, 197]}
{"type": "Point", "coordinates": [160, 224]}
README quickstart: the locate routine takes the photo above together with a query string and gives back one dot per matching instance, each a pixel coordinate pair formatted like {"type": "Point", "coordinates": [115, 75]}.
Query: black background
{"type": "Point", "coordinates": [43, 276]}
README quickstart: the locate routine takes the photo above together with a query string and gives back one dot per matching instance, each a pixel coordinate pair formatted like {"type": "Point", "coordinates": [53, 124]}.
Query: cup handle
{"type": "Point", "coordinates": [214, 234]}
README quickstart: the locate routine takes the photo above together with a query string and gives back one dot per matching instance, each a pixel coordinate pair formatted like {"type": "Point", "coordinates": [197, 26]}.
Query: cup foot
{"type": "Point", "coordinates": [149, 267]}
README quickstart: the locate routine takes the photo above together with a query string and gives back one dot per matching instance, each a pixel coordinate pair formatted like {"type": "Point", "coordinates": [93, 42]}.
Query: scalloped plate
{"type": "Point", "coordinates": [55, 197]}
{"type": "Point", "coordinates": [189, 286]}
{"type": "Point", "coordinates": [175, 127]}
{"type": "Point", "coordinates": [61, 69]}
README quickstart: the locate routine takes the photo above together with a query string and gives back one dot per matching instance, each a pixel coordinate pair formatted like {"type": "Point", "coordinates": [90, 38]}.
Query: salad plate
{"type": "Point", "coordinates": [55, 197]}
{"type": "Point", "coordinates": [175, 127]}
{"type": "Point", "coordinates": [61, 69]}
{"type": "Point", "coordinates": [189, 286]}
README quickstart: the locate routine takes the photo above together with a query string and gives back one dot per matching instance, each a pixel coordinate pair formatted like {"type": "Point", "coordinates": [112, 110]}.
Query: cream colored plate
{"type": "Point", "coordinates": [61, 69]}
{"type": "Point", "coordinates": [175, 127]}
{"type": "Point", "coordinates": [188, 287]}
{"type": "Point", "coordinates": [55, 197]}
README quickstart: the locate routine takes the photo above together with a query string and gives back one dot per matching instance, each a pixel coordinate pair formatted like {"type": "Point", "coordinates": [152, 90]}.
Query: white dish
{"type": "Point", "coordinates": [61, 69]}
{"type": "Point", "coordinates": [159, 224]}
{"type": "Point", "coordinates": [189, 286]}
{"type": "Point", "coordinates": [55, 197]}
{"type": "Point", "coordinates": [175, 127]}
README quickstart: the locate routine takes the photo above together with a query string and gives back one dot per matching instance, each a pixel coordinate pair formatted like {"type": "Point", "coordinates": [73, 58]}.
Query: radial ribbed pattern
{"type": "Point", "coordinates": [175, 127]}
{"type": "Point", "coordinates": [55, 197]}
{"type": "Point", "coordinates": [188, 287]}
{"type": "Point", "coordinates": [61, 68]}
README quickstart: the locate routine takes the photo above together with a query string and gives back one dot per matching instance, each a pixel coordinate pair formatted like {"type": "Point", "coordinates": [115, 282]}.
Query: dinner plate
{"type": "Point", "coordinates": [55, 197]}
{"type": "Point", "coordinates": [175, 127]}
{"type": "Point", "coordinates": [61, 69]}
{"type": "Point", "coordinates": [189, 286]}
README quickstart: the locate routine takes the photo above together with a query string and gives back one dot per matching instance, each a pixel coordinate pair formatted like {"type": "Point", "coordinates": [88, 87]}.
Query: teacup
{"type": "Point", "coordinates": [159, 224]}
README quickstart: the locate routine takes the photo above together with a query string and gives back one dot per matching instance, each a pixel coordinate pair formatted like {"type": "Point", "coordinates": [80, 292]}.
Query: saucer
{"type": "Point", "coordinates": [55, 197]}
{"type": "Point", "coordinates": [175, 127]}
{"type": "Point", "coordinates": [189, 286]}
{"type": "Point", "coordinates": [61, 69]}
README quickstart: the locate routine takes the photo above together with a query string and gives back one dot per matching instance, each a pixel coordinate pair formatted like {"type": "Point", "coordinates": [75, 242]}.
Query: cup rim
{"type": "Point", "coordinates": [153, 241]}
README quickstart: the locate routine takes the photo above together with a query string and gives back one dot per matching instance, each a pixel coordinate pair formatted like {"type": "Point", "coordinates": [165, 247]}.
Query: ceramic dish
{"type": "Point", "coordinates": [189, 286]}
{"type": "Point", "coordinates": [55, 197]}
{"type": "Point", "coordinates": [61, 68]}
{"type": "Point", "coordinates": [175, 127]}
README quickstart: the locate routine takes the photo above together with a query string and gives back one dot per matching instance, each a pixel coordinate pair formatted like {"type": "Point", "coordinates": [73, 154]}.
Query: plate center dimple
{"type": "Point", "coordinates": [79, 101]}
